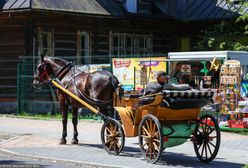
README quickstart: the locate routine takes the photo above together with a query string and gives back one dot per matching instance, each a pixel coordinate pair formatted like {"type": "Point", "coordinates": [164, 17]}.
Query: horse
{"type": "Point", "coordinates": [96, 88]}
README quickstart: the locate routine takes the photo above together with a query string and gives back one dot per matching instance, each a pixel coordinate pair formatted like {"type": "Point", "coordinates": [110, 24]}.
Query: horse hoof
{"type": "Point", "coordinates": [74, 141]}
{"type": "Point", "coordinates": [62, 142]}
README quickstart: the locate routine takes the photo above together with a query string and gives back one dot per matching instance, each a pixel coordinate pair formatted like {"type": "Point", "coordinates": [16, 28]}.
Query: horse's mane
{"type": "Point", "coordinates": [58, 60]}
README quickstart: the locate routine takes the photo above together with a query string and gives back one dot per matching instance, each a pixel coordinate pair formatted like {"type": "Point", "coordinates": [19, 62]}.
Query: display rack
{"type": "Point", "coordinates": [230, 80]}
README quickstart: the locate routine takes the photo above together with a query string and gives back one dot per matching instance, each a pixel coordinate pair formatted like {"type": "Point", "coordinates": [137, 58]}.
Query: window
{"type": "Point", "coordinates": [131, 44]}
{"type": "Point", "coordinates": [142, 45]}
{"type": "Point", "coordinates": [131, 6]}
{"type": "Point", "coordinates": [46, 42]}
{"type": "Point", "coordinates": [83, 48]}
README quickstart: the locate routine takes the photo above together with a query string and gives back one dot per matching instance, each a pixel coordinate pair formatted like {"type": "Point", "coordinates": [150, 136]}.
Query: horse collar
{"type": "Point", "coordinates": [64, 71]}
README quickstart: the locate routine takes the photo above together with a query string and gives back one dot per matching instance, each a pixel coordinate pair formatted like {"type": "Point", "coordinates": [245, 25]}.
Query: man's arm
{"type": "Point", "coordinates": [153, 87]}
{"type": "Point", "coordinates": [180, 87]}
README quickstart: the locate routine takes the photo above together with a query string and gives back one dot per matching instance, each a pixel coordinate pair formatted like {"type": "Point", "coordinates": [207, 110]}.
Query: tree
{"type": "Point", "coordinates": [231, 34]}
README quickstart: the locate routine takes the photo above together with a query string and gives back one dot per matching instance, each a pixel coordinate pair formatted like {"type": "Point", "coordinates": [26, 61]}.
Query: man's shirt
{"type": "Point", "coordinates": [177, 75]}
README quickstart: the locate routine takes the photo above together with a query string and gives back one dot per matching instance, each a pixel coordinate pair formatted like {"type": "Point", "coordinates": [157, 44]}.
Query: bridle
{"type": "Point", "coordinates": [61, 73]}
{"type": "Point", "coordinates": [44, 75]}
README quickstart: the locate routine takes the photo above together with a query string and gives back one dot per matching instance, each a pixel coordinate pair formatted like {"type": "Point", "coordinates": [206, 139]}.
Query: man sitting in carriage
{"type": "Point", "coordinates": [162, 84]}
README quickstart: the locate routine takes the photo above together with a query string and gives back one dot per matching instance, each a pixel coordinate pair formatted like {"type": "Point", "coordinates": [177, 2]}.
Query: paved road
{"type": "Point", "coordinates": [7, 160]}
{"type": "Point", "coordinates": [40, 138]}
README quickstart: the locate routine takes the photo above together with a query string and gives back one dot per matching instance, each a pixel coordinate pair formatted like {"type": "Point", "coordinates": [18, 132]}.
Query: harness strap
{"type": "Point", "coordinates": [64, 71]}
{"type": "Point", "coordinates": [90, 99]}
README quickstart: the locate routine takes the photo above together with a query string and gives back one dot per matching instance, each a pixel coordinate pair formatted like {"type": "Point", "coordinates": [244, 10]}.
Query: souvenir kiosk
{"type": "Point", "coordinates": [224, 71]}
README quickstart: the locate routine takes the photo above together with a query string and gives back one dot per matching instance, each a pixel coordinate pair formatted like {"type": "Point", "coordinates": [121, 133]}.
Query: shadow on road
{"type": "Point", "coordinates": [172, 159]}
{"type": "Point", "coordinates": [179, 159]}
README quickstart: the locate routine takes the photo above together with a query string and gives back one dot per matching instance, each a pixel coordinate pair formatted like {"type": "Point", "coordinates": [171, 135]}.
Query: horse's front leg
{"type": "Point", "coordinates": [75, 122]}
{"type": "Point", "coordinates": [64, 112]}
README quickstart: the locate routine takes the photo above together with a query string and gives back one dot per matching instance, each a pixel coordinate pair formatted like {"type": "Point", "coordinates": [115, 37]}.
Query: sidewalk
{"type": "Point", "coordinates": [37, 138]}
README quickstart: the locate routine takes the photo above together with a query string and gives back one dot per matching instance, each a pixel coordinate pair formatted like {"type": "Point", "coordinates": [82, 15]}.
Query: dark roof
{"type": "Point", "coordinates": [163, 7]}
{"type": "Point", "coordinates": [210, 9]}
{"type": "Point", "coordinates": [198, 9]}
{"type": "Point", "coordinates": [15, 4]}
{"type": "Point", "coordinates": [111, 7]}
{"type": "Point", "coordinates": [99, 7]}
{"type": "Point", "coordinates": [179, 9]}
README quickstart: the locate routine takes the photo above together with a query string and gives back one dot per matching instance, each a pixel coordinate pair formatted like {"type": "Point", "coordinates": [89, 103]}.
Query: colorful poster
{"type": "Point", "coordinates": [135, 73]}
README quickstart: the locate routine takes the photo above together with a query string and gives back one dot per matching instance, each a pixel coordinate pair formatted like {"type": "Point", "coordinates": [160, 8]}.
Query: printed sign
{"type": "Point", "coordinates": [137, 72]}
{"type": "Point", "coordinates": [143, 75]}
{"type": "Point", "coordinates": [186, 69]}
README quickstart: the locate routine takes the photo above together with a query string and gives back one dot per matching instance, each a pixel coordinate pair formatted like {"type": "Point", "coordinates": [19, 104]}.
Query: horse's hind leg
{"type": "Point", "coordinates": [75, 122]}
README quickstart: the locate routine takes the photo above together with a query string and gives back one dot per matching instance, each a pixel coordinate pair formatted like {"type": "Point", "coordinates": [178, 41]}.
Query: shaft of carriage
{"type": "Point", "coordinates": [88, 106]}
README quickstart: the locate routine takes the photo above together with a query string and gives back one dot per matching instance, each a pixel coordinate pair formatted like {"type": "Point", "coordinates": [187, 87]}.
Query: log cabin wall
{"type": "Point", "coordinates": [13, 33]}
{"type": "Point", "coordinates": [99, 31]}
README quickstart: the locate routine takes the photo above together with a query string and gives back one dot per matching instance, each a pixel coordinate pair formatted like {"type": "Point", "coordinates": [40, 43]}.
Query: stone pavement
{"type": "Point", "coordinates": [40, 138]}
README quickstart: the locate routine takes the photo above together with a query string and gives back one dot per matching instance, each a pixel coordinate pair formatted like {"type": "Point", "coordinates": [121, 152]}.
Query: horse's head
{"type": "Point", "coordinates": [47, 67]}
{"type": "Point", "coordinates": [43, 73]}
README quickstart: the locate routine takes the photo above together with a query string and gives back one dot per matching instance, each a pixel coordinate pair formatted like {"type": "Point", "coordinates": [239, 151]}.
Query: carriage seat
{"type": "Point", "coordinates": [179, 103]}
{"type": "Point", "coordinates": [186, 99]}
{"type": "Point", "coordinates": [132, 96]}
{"type": "Point", "coordinates": [188, 94]}
{"type": "Point", "coordinates": [182, 99]}
{"type": "Point", "coordinates": [146, 100]}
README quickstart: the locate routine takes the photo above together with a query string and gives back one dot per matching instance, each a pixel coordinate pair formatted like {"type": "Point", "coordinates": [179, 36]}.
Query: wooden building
{"type": "Point", "coordinates": [95, 30]}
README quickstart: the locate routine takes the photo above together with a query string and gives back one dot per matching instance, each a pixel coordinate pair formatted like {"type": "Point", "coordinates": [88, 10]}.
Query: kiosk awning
{"type": "Point", "coordinates": [198, 56]}
{"type": "Point", "coordinates": [241, 56]}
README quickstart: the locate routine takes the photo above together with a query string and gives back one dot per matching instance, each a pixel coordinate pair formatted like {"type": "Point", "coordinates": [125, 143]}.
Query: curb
{"type": "Point", "coordinates": [82, 163]}
{"type": "Point", "coordinates": [8, 140]}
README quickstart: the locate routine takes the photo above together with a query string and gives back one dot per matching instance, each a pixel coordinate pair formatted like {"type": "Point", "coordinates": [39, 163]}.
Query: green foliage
{"type": "Point", "coordinates": [55, 116]}
{"type": "Point", "coordinates": [227, 35]}
{"type": "Point", "coordinates": [241, 131]}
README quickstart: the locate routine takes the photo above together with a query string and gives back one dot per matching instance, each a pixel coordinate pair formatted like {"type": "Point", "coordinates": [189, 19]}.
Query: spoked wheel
{"type": "Point", "coordinates": [112, 137]}
{"type": "Point", "coordinates": [150, 138]}
{"type": "Point", "coordinates": [207, 138]}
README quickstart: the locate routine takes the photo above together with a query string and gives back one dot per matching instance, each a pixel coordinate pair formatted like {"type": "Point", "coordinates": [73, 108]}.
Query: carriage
{"type": "Point", "coordinates": [162, 120]}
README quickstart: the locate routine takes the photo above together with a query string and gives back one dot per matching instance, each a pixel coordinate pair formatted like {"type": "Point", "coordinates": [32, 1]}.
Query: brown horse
{"type": "Point", "coordinates": [95, 88]}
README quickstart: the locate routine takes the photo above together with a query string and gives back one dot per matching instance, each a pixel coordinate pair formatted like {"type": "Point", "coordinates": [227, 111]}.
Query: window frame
{"type": "Point", "coordinates": [134, 49]}
{"type": "Point", "coordinates": [50, 42]}
{"type": "Point", "coordinates": [87, 50]}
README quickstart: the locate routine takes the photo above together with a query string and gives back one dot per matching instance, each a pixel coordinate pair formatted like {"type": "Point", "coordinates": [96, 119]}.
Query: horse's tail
{"type": "Point", "coordinates": [117, 86]}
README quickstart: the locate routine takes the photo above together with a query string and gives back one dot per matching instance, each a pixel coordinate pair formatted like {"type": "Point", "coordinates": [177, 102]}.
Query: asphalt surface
{"type": "Point", "coordinates": [39, 139]}
{"type": "Point", "coordinates": [8, 160]}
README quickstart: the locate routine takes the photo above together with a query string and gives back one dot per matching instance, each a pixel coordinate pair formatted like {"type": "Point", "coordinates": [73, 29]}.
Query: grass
{"type": "Point", "coordinates": [52, 117]}
{"type": "Point", "coordinates": [235, 130]}
{"type": "Point", "coordinates": [246, 166]}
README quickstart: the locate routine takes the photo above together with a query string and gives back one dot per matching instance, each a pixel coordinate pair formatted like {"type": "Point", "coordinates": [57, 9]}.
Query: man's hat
{"type": "Point", "coordinates": [162, 73]}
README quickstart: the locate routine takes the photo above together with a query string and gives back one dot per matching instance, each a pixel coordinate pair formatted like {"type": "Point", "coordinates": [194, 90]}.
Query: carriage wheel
{"type": "Point", "coordinates": [207, 138]}
{"type": "Point", "coordinates": [112, 137]}
{"type": "Point", "coordinates": [150, 138]}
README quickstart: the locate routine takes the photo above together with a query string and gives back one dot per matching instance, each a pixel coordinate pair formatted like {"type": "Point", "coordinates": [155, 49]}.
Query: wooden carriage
{"type": "Point", "coordinates": [163, 120]}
